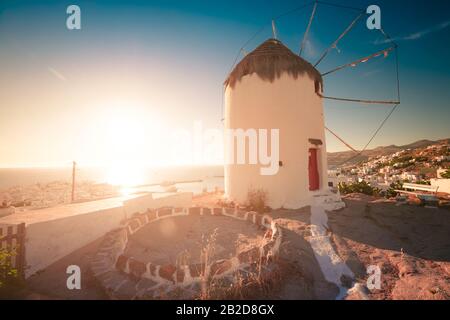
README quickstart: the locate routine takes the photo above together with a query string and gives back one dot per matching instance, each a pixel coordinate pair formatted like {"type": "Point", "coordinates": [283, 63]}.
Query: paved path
{"type": "Point", "coordinates": [332, 266]}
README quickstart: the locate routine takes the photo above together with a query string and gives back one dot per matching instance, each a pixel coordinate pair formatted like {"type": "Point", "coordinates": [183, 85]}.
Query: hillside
{"type": "Point", "coordinates": [336, 158]}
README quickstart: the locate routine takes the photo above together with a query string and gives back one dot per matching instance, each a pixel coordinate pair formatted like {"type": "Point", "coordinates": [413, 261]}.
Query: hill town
{"type": "Point", "coordinates": [423, 162]}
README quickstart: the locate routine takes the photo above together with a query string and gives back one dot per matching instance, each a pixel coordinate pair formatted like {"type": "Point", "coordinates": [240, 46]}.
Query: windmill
{"type": "Point", "coordinates": [273, 87]}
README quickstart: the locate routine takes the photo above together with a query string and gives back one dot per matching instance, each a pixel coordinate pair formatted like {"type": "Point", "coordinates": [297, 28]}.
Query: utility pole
{"type": "Point", "coordinates": [74, 164]}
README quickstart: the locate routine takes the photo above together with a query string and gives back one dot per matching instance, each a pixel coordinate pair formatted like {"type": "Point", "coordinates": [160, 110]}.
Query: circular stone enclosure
{"type": "Point", "coordinates": [181, 248]}
{"type": "Point", "coordinates": [187, 239]}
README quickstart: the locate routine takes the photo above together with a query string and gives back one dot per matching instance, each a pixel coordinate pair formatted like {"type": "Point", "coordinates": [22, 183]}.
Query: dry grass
{"type": "Point", "coordinates": [206, 257]}
{"type": "Point", "coordinates": [255, 282]}
{"type": "Point", "coordinates": [257, 200]}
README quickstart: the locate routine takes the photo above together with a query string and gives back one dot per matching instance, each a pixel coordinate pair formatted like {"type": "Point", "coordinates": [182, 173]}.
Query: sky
{"type": "Point", "coordinates": [138, 71]}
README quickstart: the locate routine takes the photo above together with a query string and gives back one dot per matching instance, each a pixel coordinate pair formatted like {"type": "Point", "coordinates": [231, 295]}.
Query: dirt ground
{"type": "Point", "coordinates": [169, 240]}
{"type": "Point", "coordinates": [51, 282]}
{"type": "Point", "coordinates": [410, 244]}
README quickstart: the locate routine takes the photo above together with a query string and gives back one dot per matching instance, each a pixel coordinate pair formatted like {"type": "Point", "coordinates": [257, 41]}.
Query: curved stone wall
{"type": "Point", "coordinates": [125, 277]}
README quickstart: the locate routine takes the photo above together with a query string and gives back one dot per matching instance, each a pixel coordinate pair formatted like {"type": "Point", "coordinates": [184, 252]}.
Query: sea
{"type": "Point", "coordinates": [184, 178]}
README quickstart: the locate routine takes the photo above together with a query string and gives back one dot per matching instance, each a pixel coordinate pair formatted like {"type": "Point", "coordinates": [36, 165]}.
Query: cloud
{"type": "Point", "coordinates": [370, 73]}
{"type": "Point", "coordinates": [419, 34]}
{"type": "Point", "coordinates": [57, 74]}
{"type": "Point", "coordinates": [423, 33]}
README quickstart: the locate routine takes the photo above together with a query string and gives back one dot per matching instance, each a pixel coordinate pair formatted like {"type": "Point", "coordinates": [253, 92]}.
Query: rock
{"type": "Point", "coordinates": [98, 268]}
{"type": "Point", "coordinates": [164, 212]}
{"type": "Point", "coordinates": [142, 218]}
{"type": "Point", "coordinates": [151, 214]}
{"type": "Point", "coordinates": [251, 216]}
{"type": "Point", "coordinates": [137, 268]}
{"type": "Point", "coordinates": [230, 211]}
{"type": "Point", "coordinates": [144, 285]}
{"type": "Point", "coordinates": [121, 262]}
{"type": "Point", "coordinates": [194, 210]}
{"type": "Point", "coordinates": [151, 268]}
{"type": "Point", "coordinates": [167, 272]}
{"type": "Point", "coordinates": [180, 275]}
{"type": "Point", "coordinates": [113, 280]}
{"type": "Point", "coordinates": [346, 281]}
{"type": "Point", "coordinates": [126, 290]}
{"type": "Point", "coordinates": [240, 214]}
{"type": "Point", "coordinates": [134, 225]}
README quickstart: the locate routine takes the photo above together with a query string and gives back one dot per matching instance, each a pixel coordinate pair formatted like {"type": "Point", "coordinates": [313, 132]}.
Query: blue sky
{"type": "Point", "coordinates": [192, 44]}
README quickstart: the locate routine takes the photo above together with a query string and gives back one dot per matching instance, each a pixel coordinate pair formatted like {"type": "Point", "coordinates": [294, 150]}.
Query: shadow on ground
{"type": "Point", "coordinates": [303, 278]}
{"type": "Point", "coordinates": [420, 232]}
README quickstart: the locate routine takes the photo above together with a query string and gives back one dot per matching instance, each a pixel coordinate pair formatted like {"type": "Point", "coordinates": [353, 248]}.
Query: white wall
{"type": "Point", "coordinates": [49, 241]}
{"type": "Point", "coordinates": [53, 233]}
{"type": "Point", "coordinates": [292, 106]}
{"type": "Point", "coordinates": [443, 184]}
{"type": "Point", "coordinates": [152, 201]}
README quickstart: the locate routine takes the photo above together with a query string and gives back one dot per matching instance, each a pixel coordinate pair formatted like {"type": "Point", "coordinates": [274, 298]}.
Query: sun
{"type": "Point", "coordinates": [125, 175]}
{"type": "Point", "coordinates": [129, 141]}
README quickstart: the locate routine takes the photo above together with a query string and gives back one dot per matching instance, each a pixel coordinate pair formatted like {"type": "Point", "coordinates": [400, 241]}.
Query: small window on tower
{"type": "Point", "coordinates": [317, 86]}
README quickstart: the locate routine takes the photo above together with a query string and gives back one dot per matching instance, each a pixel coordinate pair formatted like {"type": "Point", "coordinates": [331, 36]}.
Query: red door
{"type": "Point", "coordinates": [313, 170]}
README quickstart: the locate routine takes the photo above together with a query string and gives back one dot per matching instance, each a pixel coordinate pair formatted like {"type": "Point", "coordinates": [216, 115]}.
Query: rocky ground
{"type": "Point", "coordinates": [410, 244]}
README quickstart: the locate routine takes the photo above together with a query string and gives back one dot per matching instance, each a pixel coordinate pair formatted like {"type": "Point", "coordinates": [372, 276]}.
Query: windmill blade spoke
{"type": "Point", "coordinates": [341, 140]}
{"type": "Point", "coordinates": [384, 52]}
{"type": "Point", "coordinates": [334, 44]}
{"type": "Point", "coordinates": [339, 6]}
{"type": "Point", "coordinates": [294, 10]}
{"type": "Point", "coordinates": [360, 100]}
{"type": "Point", "coordinates": [308, 28]}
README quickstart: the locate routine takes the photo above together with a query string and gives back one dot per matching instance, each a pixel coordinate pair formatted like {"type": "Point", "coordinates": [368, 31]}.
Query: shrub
{"type": "Point", "coordinates": [358, 187]}
{"type": "Point", "coordinates": [446, 174]}
{"type": "Point", "coordinates": [257, 199]}
{"type": "Point", "coordinates": [10, 282]}
{"type": "Point", "coordinates": [391, 193]}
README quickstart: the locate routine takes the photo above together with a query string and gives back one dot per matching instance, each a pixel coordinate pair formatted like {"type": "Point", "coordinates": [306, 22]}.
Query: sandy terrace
{"type": "Point", "coordinates": [169, 240]}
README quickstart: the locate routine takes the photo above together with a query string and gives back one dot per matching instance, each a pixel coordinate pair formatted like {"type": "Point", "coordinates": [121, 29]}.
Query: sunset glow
{"type": "Point", "coordinates": [125, 175]}
{"type": "Point", "coordinates": [241, 152]}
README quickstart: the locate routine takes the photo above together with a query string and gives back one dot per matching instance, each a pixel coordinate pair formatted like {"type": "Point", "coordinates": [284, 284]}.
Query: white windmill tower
{"type": "Point", "coordinates": [274, 88]}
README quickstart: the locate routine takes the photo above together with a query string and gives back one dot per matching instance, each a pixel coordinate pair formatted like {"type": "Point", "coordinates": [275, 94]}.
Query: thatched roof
{"type": "Point", "coordinates": [269, 61]}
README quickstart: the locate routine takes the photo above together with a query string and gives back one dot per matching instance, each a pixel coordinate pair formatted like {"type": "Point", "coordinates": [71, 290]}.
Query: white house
{"type": "Point", "coordinates": [442, 183]}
